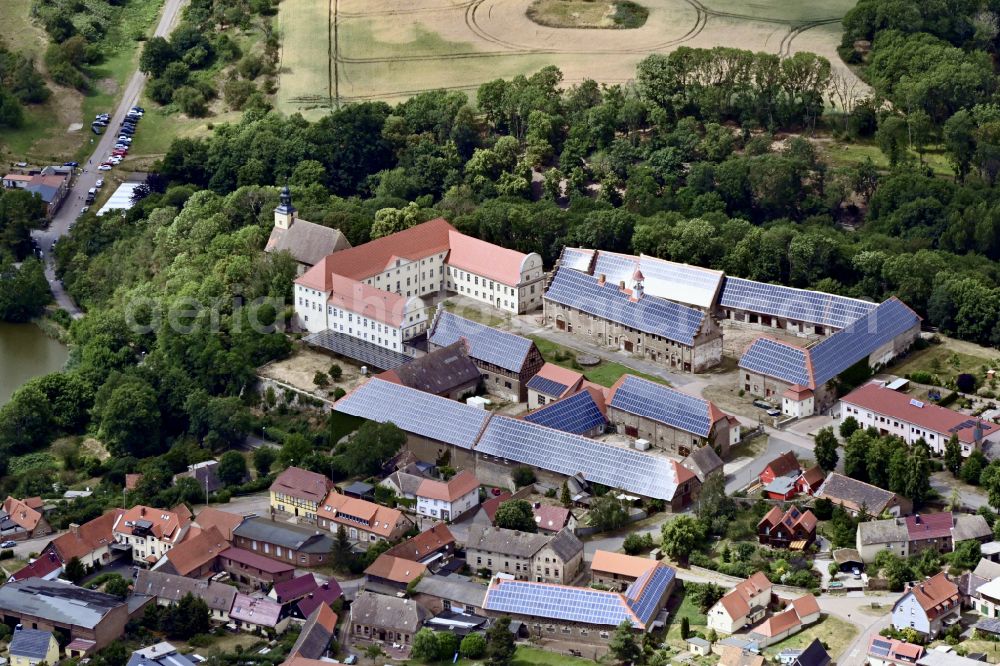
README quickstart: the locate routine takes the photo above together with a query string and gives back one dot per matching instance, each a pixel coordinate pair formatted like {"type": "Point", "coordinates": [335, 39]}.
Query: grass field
{"type": "Point", "coordinates": [587, 14]}
{"type": "Point", "coordinates": [346, 50]}
{"type": "Point", "coordinates": [605, 373]}
{"type": "Point", "coordinates": [832, 631]}
{"type": "Point", "coordinates": [947, 360]}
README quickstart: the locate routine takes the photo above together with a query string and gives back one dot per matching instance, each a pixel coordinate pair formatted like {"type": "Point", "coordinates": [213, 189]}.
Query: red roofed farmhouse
{"type": "Point", "coordinates": [448, 500]}
{"type": "Point", "coordinates": [299, 492]}
{"type": "Point", "coordinates": [928, 606]}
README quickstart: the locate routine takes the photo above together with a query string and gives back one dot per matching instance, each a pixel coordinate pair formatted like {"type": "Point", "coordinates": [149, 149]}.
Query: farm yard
{"type": "Point", "coordinates": [353, 50]}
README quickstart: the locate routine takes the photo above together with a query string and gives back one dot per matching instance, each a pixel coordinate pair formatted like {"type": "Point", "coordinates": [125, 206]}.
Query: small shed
{"type": "Point", "coordinates": [698, 646]}
{"type": "Point", "coordinates": [360, 490]}
{"type": "Point", "coordinates": [848, 559]}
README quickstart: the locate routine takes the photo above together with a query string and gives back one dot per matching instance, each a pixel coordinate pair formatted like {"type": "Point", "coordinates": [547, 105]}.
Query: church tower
{"type": "Point", "coordinates": [284, 214]}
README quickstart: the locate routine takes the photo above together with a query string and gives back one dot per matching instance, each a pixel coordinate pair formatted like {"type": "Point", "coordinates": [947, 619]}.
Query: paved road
{"type": "Point", "coordinates": [70, 210]}
{"type": "Point", "coordinates": [868, 621]}
{"type": "Point", "coordinates": [741, 471]}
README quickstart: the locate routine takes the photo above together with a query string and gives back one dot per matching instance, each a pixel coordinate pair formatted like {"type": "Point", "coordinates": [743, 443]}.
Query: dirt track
{"type": "Point", "coordinates": [387, 50]}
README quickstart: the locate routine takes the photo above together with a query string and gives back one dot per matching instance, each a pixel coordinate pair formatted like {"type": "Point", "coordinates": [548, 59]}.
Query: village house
{"type": "Point", "coordinates": [291, 594]}
{"type": "Point", "coordinates": [205, 473]}
{"type": "Point", "coordinates": [151, 532]}
{"type": "Point", "coordinates": [307, 242]}
{"type": "Point", "coordinates": [281, 541]}
{"type": "Point", "coordinates": [616, 571]}
{"type": "Point", "coordinates": [987, 599]}
{"type": "Point", "coordinates": [582, 413]}
{"type": "Point", "coordinates": [448, 500]}
{"type": "Point", "coordinates": [299, 492]}
{"type": "Point", "coordinates": [793, 529]}
{"type": "Point", "coordinates": [404, 482]}
{"type": "Point", "coordinates": [92, 543]}
{"type": "Point", "coordinates": [91, 619]}
{"type": "Point", "coordinates": [669, 419]}
{"type": "Point", "coordinates": [441, 594]}
{"type": "Point", "coordinates": [857, 497]}
{"type": "Point", "coordinates": [745, 605]}
{"type": "Point", "coordinates": [257, 614]}
{"type": "Point", "coordinates": [161, 654]}
{"type": "Point", "coordinates": [223, 521]}
{"type": "Point", "coordinates": [169, 589]}
{"type": "Point", "coordinates": [551, 383]}
{"type": "Point", "coordinates": [779, 477]}
{"type": "Point", "coordinates": [51, 185]}
{"type": "Point", "coordinates": [446, 371]}
{"type": "Point", "coordinates": [581, 614]}
{"type": "Point", "coordinates": [928, 606]}
{"type": "Point", "coordinates": [365, 522]}
{"type": "Point", "coordinates": [23, 519]}
{"type": "Point", "coordinates": [884, 651]}
{"type": "Point", "coordinates": [704, 462]}
{"type": "Point", "coordinates": [610, 307]}
{"type": "Point", "coordinates": [195, 557]}
{"type": "Point", "coordinates": [506, 361]}
{"type": "Point", "coordinates": [317, 632]}
{"type": "Point", "coordinates": [252, 570]}
{"type": "Point", "coordinates": [389, 574]}
{"type": "Point", "coordinates": [892, 412]}
{"type": "Point", "coordinates": [524, 555]}
{"type": "Point", "coordinates": [433, 546]}
{"type": "Point", "coordinates": [377, 618]}
{"type": "Point", "coordinates": [798, 614]}
{"type": "Point", "coordinates": [31, 647]}
{"type": "Point", "coordinates": [813, 655]}
{"type": "Point", "coordinates": [912, 534]}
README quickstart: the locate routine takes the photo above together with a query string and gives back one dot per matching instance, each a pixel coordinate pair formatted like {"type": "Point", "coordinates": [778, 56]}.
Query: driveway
{"type": "Point", "coordinates": [88, 173]}
{"type": "Point", "coordinates": [742, 471]}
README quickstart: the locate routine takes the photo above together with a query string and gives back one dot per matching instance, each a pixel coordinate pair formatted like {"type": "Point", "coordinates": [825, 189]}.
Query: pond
{"type": "Point", "coordinates": [26, 352]}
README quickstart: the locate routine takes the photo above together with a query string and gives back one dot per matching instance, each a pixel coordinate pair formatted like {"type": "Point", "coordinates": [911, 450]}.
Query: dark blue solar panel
{"type": "Point", "coordinates": [547, 386]}
{"type": "Point", "coordinates": [556, 602]}
{"type": "Point", "coordinates": [775, 359]}
{"type": "Point", "coordinates": [485, 343]}
{"type": "Point", "coordinates": [567, 454]}
{"type": "Point", "coordinates": [645, 594]}
{"type": "Point", "coordinates": [414, 411]}
{"type": "Point", "coordinates": [650, 314]}
{"type": "Point", "coordinates": [798, 304]}
{"type": "Point", "coordinates": [577, 414]}
{"type": "Point", "coordinates": [837, 353]}
{"type": "Point", "coordinates": [662, 403]}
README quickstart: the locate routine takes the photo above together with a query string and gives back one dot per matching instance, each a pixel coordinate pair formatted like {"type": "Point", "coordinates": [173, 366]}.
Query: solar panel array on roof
{"type": "Point", "coordinates": [663, 404]}
{"type": "Point", "coordinates": [837, 353]}
{"type": "Point", "coordinates": [564, 453]}
{"type": "Point", "coordinates": [799, 304]}
{"type": "Point", "coordinates": [879, 648]}
{"type": "Point", "coordinates": [577, 258]}
{"type": "Point", "coordinates": [656, 316]}
{"type": "Point", "coordinates": [416, 412]}
{"type": "Point", "coordinates": [577, 414]}
{"type": "Point", "coordinates": [570, 604]}
{"type": "Point", "coordinates": [968, 423]}
{"type": "Point", "coordinates": [546, 386]}
{"type": "Point", "coordinates": [366, 352]}
{"type": "Point", "coordinates": [615, 267]}
{"type": "Point", "coordinates": [485, 343]}
{"type": "Point", "coordinates": [775, 359]}
{"type": "Point", "coordinates": [644, 594]}
{"type": "Point", "coordinates": [680, 282]}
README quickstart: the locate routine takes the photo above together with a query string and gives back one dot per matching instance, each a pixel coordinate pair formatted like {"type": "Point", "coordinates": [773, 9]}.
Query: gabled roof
{"type": "Point", "coordinates": [929, 526]}
{"type": "Point", "coordinates": [813, 307]}
{"type": "Point", "coordinates": [44, 564]}
{"type": "Point", "coordinates": [628, 566]}
{"type": "Point", "coordinates": [881, 647]}
{"type": "Point", "coordinates": [485, 343]}
{"type": "Point", "coordinates": [929, 416]}
{"type": "Point", "coordinates": [164, 524]}
{"type": "Point", "coordinates": [26, 517]}
{"type": "Point", "coordinates": [890, 530]}
{"type": "Point", "coordinates": [172, 588]}
{"type": "Point", "coordinates": [255, 610]}
{"type": "Point", "coordinates": [855, 494]}
{"type": "Point", "coordinates": [395, 569]}
{"type": "Point", "coordinates": [284, 534]}
{"type": "Point", "coordinates": [307, 242]}
{"type": "Point", "coordinates": [316, 633]}
{"type": "Point", "coordinates": [486, 259]}
{"type": "Point", "coordinates": [324, 595]}
{"type": "Point", "coordinates": [566, 545]}
{"type": "Point", "coordinates": [377, 610]}
{"type": "Point", "coordinates": [491, 505]}
{"type": "Point", "coordinates": [426, 543]}
{"type": "Point", "coordinates": [194, 553]}
{"type": "Point", "coordinates": [223, 521]}
{"type": "Point", "coordinates": [30, 643]}
{"type": "Point", "coordinates": [302, 484]}
{"type": "Point", "coordinates": [505, 542]}
{"type": "Point", "coordinates": [377, 519]}
{"type": "Point", "coordinates": [555, 381]}
{"type": "Point", "coordinates": [814, 655]}
{"type": "Point", "coordinates": [257, 561]}
{"type": "Point", "coordinates": [784, 464]}
{"type": "Point", "coordinates": [84, 539]}
{"type": "Point", "coordinates": [737, 601]}
{"type": "Point", "coordinates": [703, 461]}
{"type": "Point", "coordinates": [291, 590]}
{"type": "Point", "coordinates": [813, 476]}
{"type": "Point", "coordinates": [451, 490]}
{"type": "Point", "coordinates": [936, 595]}
{"type": "Point", "coordinates": [439, 371]}
{"type": "Point", "coordinates": [578, 413]}
{"type": "Point", "coordinates": [634, 395]}
{"type": "Point", "coordinates": [57, 602]}
{"type": "Point", "coordinates": [550, 518]}
{"type": "Point", "coordinates": [778, 623]}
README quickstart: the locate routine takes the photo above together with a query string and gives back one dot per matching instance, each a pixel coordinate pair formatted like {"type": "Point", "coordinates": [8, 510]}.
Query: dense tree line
{"type": "Point", "coordinates": [20, 84]}
{"type": "Point", "coordinates": [184, 67]}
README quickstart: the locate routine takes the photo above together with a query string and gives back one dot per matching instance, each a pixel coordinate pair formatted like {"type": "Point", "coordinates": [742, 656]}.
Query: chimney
{"type": "Point", "coordinates": [74, 529]}
{"type": "Point", "coordinates": [601, 279]}
{"type": "Point", "coordinates": [621, 285]}
{"type": "Point", "coordinates": [142, 511]}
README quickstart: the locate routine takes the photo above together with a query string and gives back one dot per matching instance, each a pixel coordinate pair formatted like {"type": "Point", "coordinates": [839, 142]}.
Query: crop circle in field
{"type": "Point", "coordinates": [599, 14]}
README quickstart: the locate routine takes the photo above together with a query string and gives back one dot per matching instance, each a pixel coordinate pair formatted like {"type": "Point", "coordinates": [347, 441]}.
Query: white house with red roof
{"type": "Point", "coordinates": [381, 292]}
{"type": "Point", "coordinates": [928, 606]}
{"type": "Point", "coordinates": [895, 413]}
{"type": "Point", "coordinates": [151, 532]}
{"type": "Point", "coordinates": [745, 604]}
{"type": "Point", "coordinates": [448, 500]}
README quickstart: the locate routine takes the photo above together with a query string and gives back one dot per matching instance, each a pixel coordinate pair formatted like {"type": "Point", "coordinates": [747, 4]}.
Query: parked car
{"type": "Point", "coordinates": [99, 184]}
{"type": "Point", "coordinates": [104, 167]}
{"type": "Point", "coordinates": [97, 128]}
{"type": "Point", "coordinates": [8, 544]}
{"type": "Point", "coordinates": [763, 404]}
{"type": "Point", "coordinates": [774, 412]}
{"type": "Point", "coordinates": [71, 164]}
{"type": "Point", "coordinates": [84, 210]}
{"type": "Point", "coordinates": [139, 109]}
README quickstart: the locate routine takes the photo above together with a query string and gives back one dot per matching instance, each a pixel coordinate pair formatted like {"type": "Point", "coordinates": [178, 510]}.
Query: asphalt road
{"type": "Point", "coordinates": [88, 173]}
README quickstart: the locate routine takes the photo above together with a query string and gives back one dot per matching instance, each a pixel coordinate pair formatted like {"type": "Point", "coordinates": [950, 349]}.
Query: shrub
{"type": "Point", "coordinates": [473, 646]}
{"type": "Point", "coordinates": [523, 476]}
{"type": "Point", "coordinates": [6, 554]}
{"type": "Point", "coordinates": [191, 101]}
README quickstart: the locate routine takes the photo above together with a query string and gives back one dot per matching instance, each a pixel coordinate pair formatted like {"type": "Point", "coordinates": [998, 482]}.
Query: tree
{"type": "Point", "coordinates": [500, 646]}
{"type": "Point", "coordinates": [117, 586]}
{"type": "Point", "coordinates": [127, 410]}
{"type": "Point", "coordinates": [516, 515]}
{"type": "Point", "coordinates": [341, 552]}
{"type": "Point", "coordinates": [607, 513]}
{"type": "Point", "coordinates": [447, 646]}
{"type": "Point", "coordinates": [680, 537]}
{"type": "Point", "coordinates": [918, 476]}
{"type": "Point", "coordinates": [232, 468]}
{"type": "Point", "coordinates": [425, 646]}
{"type": "Point", "coordinates": [157, 53]}
{"type": "Point", "coordinates": [523, 476]}
{"type": "Point", "coordinates": [972, 468]}
{"type": "Point", "coordinates": [848, 427]}
{"type": "Point", "coordinates": [473, 646]}
{"type": "Point", "coordinates": [24, 291]}
{"type": "Point", "coordinates": [564, 496]}
{"type": "Point", "coordinates": [336, 372]}
{"type": "Point", "coordinates": [636, 543]}
{"type": "Point", "coordinates": [263, 457]}
{"type": "Point", "coordinates": [623, 646]}
{"type": "Point", "coordinates": [966, 555]}
{"type": "Point", "coordinates": [826, 449]}
{"type": "Point", "coordinates": [372, 446]}
{"type": "Point", "coordinates": [953, 455]}
{"type": "Point", "coordinates": [685, 627]}
{"type": "Point", "coordinates": [74, 570]}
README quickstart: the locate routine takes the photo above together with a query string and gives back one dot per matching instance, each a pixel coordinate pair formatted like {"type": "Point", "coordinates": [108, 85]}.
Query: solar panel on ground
{"type": "Point", "coordinates": [812, 307]}
{"type": "Point", "coordinates": [564, 453]}
{"type": "Point", "coordinates": [577, 414]}
{"type": "Point", "coordinates": [547, 386]}
{"type": "Point", "coordinates": [775, 359]}
{"type": "Point", "coordinates": [615, 267]}
{"type": "Point", "coordinates": [843, 349]}
{"type": "Point", "coordinates": [556, 602]}
{"type": "Point", "coordinates": [485, 343]}
{"type": "Point", "coordinates": [650, 314]}
{"type": "Point", "coordinates": [664, 404]}
{"type": "Point", "coordinates": [363, 351]}
{"type": "Point", "coordinates": [680, 282]}
{"type": "Point", "coordinates": [414, 411]}
{"type": "Point", "coordinates": [576, 258]}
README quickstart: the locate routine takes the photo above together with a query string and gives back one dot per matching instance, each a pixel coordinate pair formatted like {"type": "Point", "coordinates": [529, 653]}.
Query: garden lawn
{"type": "Point", "coordinates": [606, 373]}
{"type": "Point", "coordinates": [946, 360]}
{"type": "Point", "coordinates": [697, 621]}
{"type": "Point", "coordinates": [832, 631]}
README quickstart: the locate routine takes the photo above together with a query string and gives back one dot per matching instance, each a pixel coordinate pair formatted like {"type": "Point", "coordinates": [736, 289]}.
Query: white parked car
{"type": "Point", "coordinates": [104, 167]}
{"type": "Point", "coordinates": [99, 184]}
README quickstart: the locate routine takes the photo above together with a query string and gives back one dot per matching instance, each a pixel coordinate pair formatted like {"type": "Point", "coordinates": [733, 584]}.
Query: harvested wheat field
{"type": "Point", "coordinates": [352, 50]}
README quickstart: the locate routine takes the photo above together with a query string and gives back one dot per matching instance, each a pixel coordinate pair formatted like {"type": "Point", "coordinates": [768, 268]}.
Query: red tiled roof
{"type": "Point", "coordinates": [929, 526]}
{"type": "Point", "coordinates": [296, 588]}
{"type": "Point", "coordinates": [797, 392]}
{"type": "Point", "coordinates": [23, 515]}
{"type": "Point", "coordinates": [324, 595]}
{"type": "Point", "coordinates": [34, 502]}
{"type": "Point", "coordinates": [84, 539]}
{"type": "Point", "coordinates": [935, 418]}
{"type": "Point", "coordinates": [621, 564]}
{"type": "Point", "coordinates": [491, 505]}
{"type": "Point", "coordinates": [195, 552]}
{"type": "Point", "coordinates": [482, 258]}
{"type": "Point", "coordinates": [167, 524]}
{"type": "Point", "coordinates": [254, 610]}
{"type": "Point", "coordinates": [132, 480]}
{"type": "Point", "coordinates": [813, 476]}
{"type": "Point", "coordinates": [45, 564]}
{"type": "Point", "coordinates": [425, 543]}
{"type": "Point", "coordinates": [387, 307]}
{"type": "Point", "coordinates": [783, 465]}
{"type": "Point", "coordinates": [805, 605]}
{"type": "Point", "coordinates": [564, 376]}
{"type": "Point", "coordinates": [551, 518]}
{"type": "Point", "coordinates": [456, 487]}
{"type": "Point", "coordinates": [251, 559]}
{"type": "Point", "coordinates": [395, 569]}
{"type": "Point", "coordinates": [772, 517]}
{"type": "Point", "coordinates": [778, 624]}
{"type": "Point", "coordinates": [381, 519]}
{"type": "Point", "coordinates": [936, 595]}
{"type": "Point", "coordinates": [302, 484]}
{"type": "Point", "coordinates": [223, 521]}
